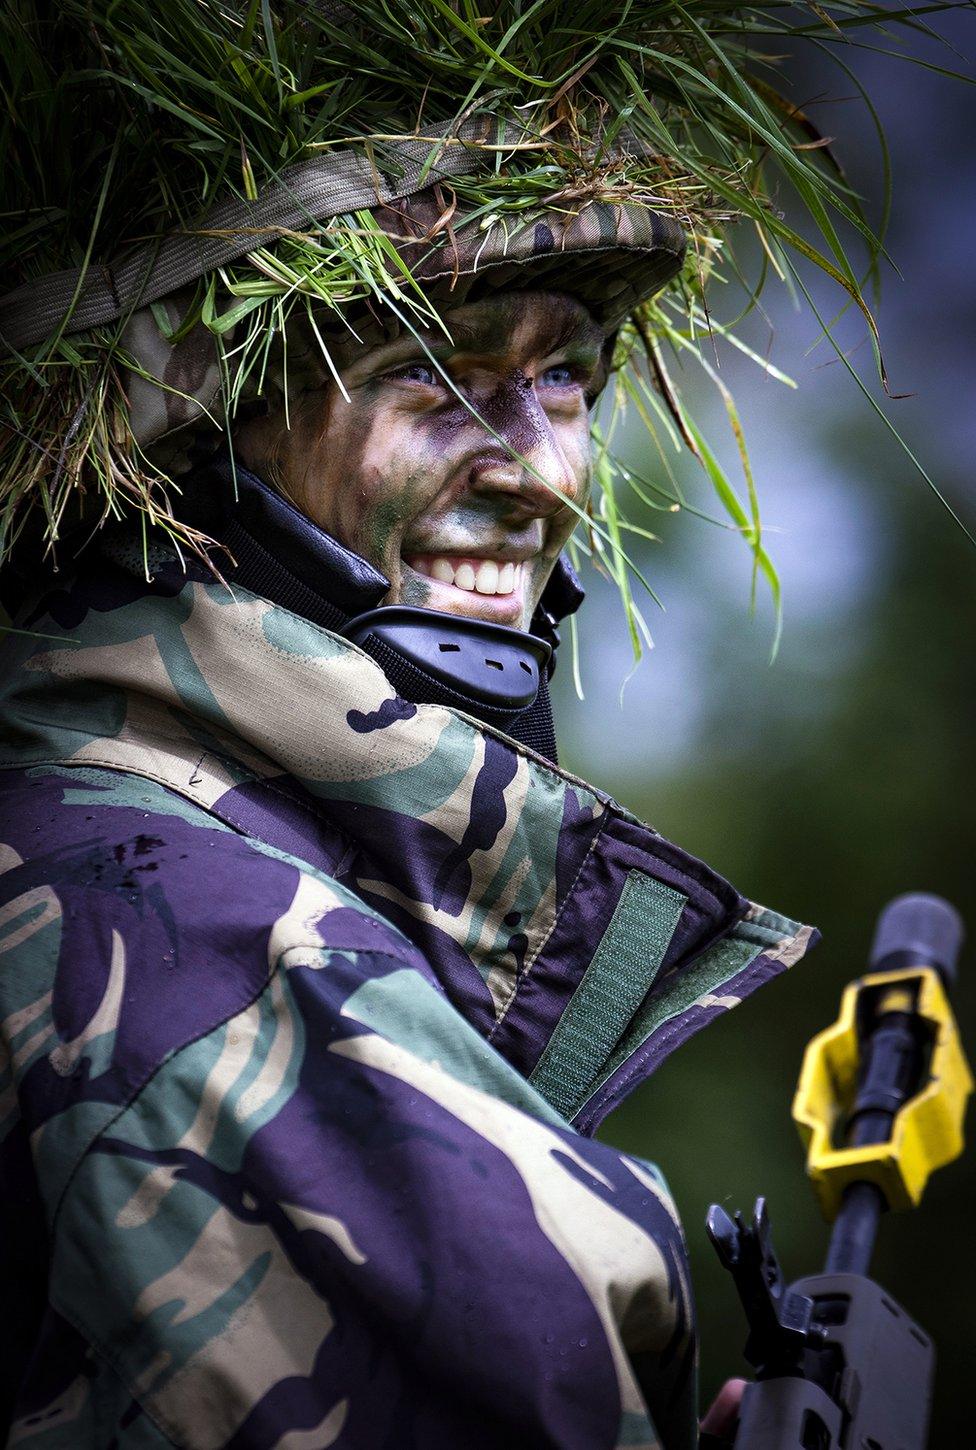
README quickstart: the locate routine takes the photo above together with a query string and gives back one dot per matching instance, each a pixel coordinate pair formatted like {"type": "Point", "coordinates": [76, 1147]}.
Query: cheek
{"type": "Point", "coordinates": [381, 482]}
{"type": "Point", "coordinates": [344, 472]}
{"type": "Point", "coordinates": [295, 459]}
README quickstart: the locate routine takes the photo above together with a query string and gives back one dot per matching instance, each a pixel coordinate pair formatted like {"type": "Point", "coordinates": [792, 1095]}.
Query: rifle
{"type": "Point", "coordinates": [880, 1104]}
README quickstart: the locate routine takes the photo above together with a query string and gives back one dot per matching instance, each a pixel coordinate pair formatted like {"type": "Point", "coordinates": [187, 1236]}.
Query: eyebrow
{"type": "Point", "coordinates": [577, 328]}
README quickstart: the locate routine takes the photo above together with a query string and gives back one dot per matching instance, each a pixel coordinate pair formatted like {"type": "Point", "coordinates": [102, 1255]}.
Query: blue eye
{"type": "Point", "coordinates": [560, 376]}
{"type": "Point", "coordinates": [418, 373]}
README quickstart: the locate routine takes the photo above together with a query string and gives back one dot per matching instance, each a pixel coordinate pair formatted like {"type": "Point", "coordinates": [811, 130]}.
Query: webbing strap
{"type": "Point", "coordinates": [309, 191]}
{"type": "Point", "coordinates": [615, 983]}
{"type": "Point", "coordinates": [707, 976]}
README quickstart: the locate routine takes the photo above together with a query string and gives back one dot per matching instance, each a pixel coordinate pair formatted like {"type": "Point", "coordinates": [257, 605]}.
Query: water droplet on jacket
{"type": "Point", "coordinates": [583, 1342]}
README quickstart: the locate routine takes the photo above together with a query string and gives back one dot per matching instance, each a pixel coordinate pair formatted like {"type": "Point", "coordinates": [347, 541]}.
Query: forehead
{"type": "Point", "coordinates": [506, 326]}
{"type": "Point", "coordinates": [530, 324]}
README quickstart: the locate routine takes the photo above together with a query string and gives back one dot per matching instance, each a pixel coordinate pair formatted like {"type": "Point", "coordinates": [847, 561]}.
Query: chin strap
{"type": "Point", "coordinates": [498, 675]}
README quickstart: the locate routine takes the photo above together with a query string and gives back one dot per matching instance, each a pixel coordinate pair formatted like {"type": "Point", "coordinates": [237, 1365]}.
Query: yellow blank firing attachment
{"type": "Point", "coordinates": [927, 1131]}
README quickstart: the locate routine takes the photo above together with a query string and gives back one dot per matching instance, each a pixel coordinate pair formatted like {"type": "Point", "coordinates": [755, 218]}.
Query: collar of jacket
{"type": "Point", "coordinates": [583, 945]}
{"type": "Point", "coordinates": [276, 551]}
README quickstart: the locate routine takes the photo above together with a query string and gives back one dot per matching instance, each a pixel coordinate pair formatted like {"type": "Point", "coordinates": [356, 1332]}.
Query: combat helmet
{"type": "Point", "coordinates": [197, 188]}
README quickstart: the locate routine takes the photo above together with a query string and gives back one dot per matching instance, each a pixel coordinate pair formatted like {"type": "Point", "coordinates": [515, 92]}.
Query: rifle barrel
{"type": "Point", "coordinates": [855, 1229]}
{"type": "Point", "coordinates": [889, 1076]}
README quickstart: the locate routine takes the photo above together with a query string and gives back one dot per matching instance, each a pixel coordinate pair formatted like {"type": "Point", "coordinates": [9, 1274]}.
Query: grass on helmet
{"type": "Point", "coordinates": [124, 123]}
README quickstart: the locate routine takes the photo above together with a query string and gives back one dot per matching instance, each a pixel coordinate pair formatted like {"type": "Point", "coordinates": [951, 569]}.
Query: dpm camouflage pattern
{"type": "Point", "coordinates": [310, 999]}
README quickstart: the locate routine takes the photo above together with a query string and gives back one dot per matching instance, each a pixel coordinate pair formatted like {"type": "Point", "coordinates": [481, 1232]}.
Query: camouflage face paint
{"type": "Point", "coordinates": [404, 473]}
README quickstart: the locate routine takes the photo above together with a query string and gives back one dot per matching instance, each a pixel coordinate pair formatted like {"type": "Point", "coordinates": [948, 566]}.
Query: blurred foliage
{"type": "Point", "coordinates": [824, 799]}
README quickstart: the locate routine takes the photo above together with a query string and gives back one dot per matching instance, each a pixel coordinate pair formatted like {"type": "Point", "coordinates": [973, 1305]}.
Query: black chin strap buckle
{"type": "Point", "coordinates": [444, 658]}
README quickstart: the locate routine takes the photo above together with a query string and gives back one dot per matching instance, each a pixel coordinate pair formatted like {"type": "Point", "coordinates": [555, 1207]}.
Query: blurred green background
{"type": "Point", "coordinates": [842, 774]}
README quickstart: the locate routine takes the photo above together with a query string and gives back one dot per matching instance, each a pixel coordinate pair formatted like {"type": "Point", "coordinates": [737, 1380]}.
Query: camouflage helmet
{"type": "Point", "coordinates": [192, 179]}
{"type": "Point", "coordinates": [611, 255]}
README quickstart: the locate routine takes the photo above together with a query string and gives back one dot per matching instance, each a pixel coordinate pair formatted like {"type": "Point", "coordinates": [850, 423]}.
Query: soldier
{"type": "Point", "coordinates": [319, 972]}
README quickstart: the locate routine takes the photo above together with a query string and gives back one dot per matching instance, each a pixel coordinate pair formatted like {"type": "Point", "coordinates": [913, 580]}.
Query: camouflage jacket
{"type": "Point", "coordinates": [311, 999]}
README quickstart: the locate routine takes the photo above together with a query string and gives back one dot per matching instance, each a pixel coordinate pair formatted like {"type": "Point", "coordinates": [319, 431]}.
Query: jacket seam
{"type": "Point", "coordinates": [272, 786]}
{"type": "Point", "coordinates": [91, 762]}
{"type": "Point", "coordinates": [269, 784]}
{"type": "Point", "coordinates": [109, 1361]}
{"type": "Point", "coordinates": [534, 956]}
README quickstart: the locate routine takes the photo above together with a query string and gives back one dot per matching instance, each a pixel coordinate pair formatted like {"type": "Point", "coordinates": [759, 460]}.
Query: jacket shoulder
{"type": "Point", "coordinates": [123, 841]}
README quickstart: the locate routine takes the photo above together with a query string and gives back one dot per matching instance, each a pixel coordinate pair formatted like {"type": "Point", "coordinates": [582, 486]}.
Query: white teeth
{"type": "Point", "coordinates": [484, 576]}
{"type": "Point", "coordinates": [486, 579]}
{"type": "Point", "coordinates": [441, 570]}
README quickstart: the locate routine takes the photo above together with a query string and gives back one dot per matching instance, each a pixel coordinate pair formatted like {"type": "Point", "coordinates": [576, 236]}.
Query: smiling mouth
{"type": "Point", "coordinates": [493, 578]}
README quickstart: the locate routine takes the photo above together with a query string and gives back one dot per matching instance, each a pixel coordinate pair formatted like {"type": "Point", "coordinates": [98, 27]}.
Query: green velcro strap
{"type": "Point", "coordinates": [615, 983]}
{"type": "Point", "coordinates": [708, 975]}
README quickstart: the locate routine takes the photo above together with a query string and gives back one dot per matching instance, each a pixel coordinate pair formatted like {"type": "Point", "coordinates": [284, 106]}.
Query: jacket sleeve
{"type": "Point", "coordinates": [332, 1214]}
{"type": "Point", "coordinates": [314, 1227]}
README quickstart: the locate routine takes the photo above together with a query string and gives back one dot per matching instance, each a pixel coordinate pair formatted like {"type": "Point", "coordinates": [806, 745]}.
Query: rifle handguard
{"type": "Point", "coordinates": [876, 1362]}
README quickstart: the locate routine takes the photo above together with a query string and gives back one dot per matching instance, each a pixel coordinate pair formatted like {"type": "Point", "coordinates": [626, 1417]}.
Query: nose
{"type": "Point", "coordinates": [517, 421]}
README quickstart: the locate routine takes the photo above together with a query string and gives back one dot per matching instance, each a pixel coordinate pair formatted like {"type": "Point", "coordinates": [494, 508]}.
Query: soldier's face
{"type": "Point", "coordinates": [404, 474]}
